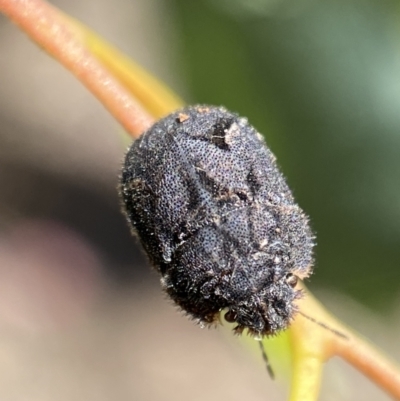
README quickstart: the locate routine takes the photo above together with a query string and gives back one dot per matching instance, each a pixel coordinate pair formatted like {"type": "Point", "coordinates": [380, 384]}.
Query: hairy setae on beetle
{"type": "Point", "coordinates": [217, 219]}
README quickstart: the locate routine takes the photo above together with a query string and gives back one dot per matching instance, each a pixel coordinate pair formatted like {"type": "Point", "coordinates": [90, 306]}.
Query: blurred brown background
{"type": "Point", "coordinates": [82, 316]}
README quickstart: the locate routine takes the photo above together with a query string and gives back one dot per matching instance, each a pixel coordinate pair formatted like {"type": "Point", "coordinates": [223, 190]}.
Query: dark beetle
{"type": "Point", "coordinates": [217, 219]}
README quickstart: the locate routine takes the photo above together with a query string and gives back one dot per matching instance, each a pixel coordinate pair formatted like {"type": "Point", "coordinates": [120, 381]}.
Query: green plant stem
{"type": "Point", "coordinates": [313, 345]}
{"type": "Point", "coordinates": [306, 378]}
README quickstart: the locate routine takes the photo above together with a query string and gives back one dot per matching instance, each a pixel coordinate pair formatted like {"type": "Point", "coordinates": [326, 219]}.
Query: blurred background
{"type": "Point", "coordinates": [82, 316]}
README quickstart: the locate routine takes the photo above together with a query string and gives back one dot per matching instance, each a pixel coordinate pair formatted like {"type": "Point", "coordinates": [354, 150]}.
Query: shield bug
{"type": "Point", "coordinates": [212, 210]}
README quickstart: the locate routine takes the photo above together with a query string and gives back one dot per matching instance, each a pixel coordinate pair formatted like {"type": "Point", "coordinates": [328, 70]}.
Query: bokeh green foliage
{"type": "Point", "coordinates": [321, 81]}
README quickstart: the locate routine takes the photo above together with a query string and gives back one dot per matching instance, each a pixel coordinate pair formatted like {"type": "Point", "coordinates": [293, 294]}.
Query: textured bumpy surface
{"type": "Point", "coordinates": [217, 219]}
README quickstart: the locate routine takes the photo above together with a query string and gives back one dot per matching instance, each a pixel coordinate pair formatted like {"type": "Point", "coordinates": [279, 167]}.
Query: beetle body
{"type": "Point", "coordinates": [217, 219]}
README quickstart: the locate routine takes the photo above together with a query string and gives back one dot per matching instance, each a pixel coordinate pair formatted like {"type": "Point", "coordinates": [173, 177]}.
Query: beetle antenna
{"type": "Point", "coordinates": [266, 360]}
{"type": "Point", "coordinates": [338, 333]}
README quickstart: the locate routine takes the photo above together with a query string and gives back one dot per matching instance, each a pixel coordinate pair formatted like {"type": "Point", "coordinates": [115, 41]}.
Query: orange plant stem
{"type": "Point", "coordinates": [317, 344]}
{"type": "Point", "coordinates": [368, 360]}
{"type": "Point", "coordinates": [47, 28]}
